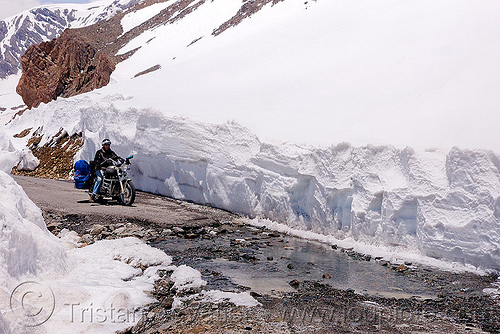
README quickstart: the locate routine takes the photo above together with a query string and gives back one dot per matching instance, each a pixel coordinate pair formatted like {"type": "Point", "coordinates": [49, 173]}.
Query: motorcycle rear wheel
{"type": "Point", "coordinates": [128, 196]}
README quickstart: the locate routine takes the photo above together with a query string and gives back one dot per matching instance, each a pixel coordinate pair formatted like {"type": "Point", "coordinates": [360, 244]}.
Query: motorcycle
{"type": "Point", "coordinates": [116, 183]}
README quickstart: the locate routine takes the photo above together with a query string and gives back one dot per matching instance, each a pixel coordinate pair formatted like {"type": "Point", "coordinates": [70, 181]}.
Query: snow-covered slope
{"type": "Point", "coordinates": [209, 125]}
{"type": "Point", "coordinates": [421, 74]}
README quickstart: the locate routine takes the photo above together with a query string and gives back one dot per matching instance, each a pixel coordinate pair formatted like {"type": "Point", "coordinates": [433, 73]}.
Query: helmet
{"type": "Point", "coordinates": [106, 142]}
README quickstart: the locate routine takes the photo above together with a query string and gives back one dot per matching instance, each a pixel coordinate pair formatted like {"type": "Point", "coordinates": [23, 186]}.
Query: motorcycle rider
{"type": "Point", "coordinates": [102, 160]}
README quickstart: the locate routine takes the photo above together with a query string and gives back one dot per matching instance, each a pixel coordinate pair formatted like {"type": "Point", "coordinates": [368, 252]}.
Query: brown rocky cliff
{"type": "Point", "coordinates": [63, 67]}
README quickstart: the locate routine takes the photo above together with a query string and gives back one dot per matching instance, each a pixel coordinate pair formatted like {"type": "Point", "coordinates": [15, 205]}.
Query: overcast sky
{"type": "Point", "coordinates": [12, 7]}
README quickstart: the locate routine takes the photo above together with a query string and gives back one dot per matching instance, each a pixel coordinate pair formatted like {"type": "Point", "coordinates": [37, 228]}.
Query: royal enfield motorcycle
{"type": "Point", "coordinates": [115, 182]}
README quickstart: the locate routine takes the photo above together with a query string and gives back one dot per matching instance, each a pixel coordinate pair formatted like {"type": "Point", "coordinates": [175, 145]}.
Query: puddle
{"type": "Point", "coordinates": [280, 260]}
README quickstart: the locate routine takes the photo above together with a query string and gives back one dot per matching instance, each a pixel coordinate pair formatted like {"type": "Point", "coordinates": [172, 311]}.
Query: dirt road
{"type": "Point", "coordinates": [62, 198]}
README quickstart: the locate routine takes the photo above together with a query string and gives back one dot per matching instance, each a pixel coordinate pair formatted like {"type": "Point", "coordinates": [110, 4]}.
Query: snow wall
{"type": "Point", "coordinates": [443, 205]}
{"type": "Point", "coordinates": [27, 248]}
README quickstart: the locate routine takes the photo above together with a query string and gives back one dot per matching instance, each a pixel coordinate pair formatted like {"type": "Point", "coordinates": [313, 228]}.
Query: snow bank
{"type": "Point", "coordinates": [9, 155]}
{"type": "Point", "coordinates": [27, 248]}
{"type": "Point", "coordinates": [28, 161]}
{"type": "Point", "coordinates": [428, 203]}
{"type": "Point", "coordinates": [4, 325]}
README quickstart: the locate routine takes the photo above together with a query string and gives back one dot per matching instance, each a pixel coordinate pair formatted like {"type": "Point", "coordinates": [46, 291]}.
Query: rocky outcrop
{"type": "Point", "coordinates": [42, 24]}
{"type": "Point", "coordinates": [63, 67]}
{"type": "Point", "coordinates": [55, 157]}
{"type": "Point", "coordinates": [249, 8]}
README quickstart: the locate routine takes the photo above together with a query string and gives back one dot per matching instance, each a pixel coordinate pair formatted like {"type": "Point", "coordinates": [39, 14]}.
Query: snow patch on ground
{"type": "Point", "coordinates": [186, 278]}
{"type": "Point", "coordinates": [238, 299]}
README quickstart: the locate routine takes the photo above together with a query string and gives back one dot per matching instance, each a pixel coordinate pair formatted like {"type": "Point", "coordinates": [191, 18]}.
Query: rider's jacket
{"type": "Point", "coordinates": [102, 156]}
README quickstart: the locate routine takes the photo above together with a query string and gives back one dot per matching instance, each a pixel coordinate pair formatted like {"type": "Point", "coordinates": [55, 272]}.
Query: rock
{"type": "Point", "coordinates": [119, 230]}
{"type": "Point", "coordinates": [255, 294]}
{"type": "Point", "coordinates": [167, 231]}
{"type": "Point", "coordinates": [130, 231]}
{"type": "Point", "coordinates": [87, 239]}
{"type": "Point", "coordinates": [178, 230]}
{"type": "Point", "coordinates": [53, 226]}
{"type": "Point", "coordinates": [401, 268]}
{"type": "Point", "coordinates": [165, 272]}
{"type": "Point", "coordinates": [97, 229]}
{"type": "Point", "coordinates": [237, 242]}
{"type": "Point", "coordinates": [126, 331]}
{"type": "Point", "coordinates": [294, 284]}
{"type": "Point", "coordinates": [66, 66]}
{"type": "Point", "coordinates": [167, 302]}
{"type": "Point", "coordinates": [226, 228]}
{"type": "Point", "coordinates": [334, 247]}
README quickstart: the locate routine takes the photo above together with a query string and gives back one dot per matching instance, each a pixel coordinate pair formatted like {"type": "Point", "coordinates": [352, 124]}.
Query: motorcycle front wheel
{"type": "Point", "coordinates": [128, 196]}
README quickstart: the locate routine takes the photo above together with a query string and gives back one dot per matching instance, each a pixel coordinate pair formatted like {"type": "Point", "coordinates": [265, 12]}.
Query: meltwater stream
{"type": "Point", "coordinates": [267, 262]}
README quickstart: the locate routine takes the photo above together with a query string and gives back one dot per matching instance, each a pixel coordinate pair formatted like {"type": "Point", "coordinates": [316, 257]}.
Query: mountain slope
{"type": "Point", "coordinates": [423, 75]}
{"type": "Point", "coordinates": [44, 23]}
